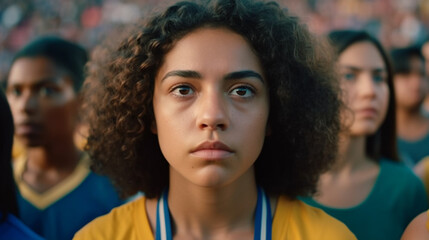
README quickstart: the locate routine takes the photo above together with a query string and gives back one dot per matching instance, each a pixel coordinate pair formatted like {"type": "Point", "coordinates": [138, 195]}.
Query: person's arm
{"type": "Point", "coordinates": [418, 228]}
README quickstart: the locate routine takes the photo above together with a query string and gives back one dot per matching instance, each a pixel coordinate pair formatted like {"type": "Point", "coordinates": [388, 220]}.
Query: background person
{"type": "Point", "coordinates": [367, 188]}
{"type": "Point", "coordinates": [58, 192]}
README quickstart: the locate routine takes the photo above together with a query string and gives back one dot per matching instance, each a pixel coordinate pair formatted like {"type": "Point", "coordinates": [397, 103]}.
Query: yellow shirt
{"type": "Point", "coordinates": [292, 220]}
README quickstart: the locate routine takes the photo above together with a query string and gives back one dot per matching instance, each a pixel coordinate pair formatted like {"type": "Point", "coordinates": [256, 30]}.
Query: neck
{"type": "Point", "coordinates": [351, 154]}
{"type": "Point", "coordinates": [212, 211]}
{"type": "Point", "coordinates": [411, 124]}
{"type": "Point", "coordinates": [408, 116]}
{"type": "Point", "coordinates": [62, 157]}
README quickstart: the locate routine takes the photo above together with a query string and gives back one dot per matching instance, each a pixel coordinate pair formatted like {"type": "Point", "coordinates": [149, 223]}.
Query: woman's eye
{"type": "Point", "coordinates": [182, 91]}
{"type": "Point", "coordinates": [15, 92]}
{"type": "Point", "coordinates": [46, 91]}
{"type": "Point", "coordinates": [378, 78]}
{"type": "Point", "coordinates": [349, 76]}
{"type": "Point", "coordinates": [243, 91]}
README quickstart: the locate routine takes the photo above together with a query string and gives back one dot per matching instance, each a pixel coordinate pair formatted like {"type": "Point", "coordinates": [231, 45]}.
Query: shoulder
{"type": "Point", "coordinates": [120, 223]}
{"type": "Point", "coordinates": [400, 179]}
{"type": "Point", "coordinates": [397, 170]}
{"type": "Point", "coordinates": [296, 220]}
{"type": "Point", "coordinates": [418, 228]}
{"type": "Point", "coordinates": [421, 169]}
{"type": "Point", "coordinates": [13, 228]}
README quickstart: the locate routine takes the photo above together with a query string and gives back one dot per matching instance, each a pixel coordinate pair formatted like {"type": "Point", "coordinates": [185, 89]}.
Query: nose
{"type": "Point", "coordinates": [212, 111]}
{"type": "Point", "coordinates": [29, 103]}
{"type": "Point", "coordinates": [367, 87]}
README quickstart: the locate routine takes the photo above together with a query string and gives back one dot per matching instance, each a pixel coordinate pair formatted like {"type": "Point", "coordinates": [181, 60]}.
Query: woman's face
{"type": "Point", "coordinates": [365, 90]}
{"type": "Point", "coordinates": [411, 88]}
{"type": "Point", "coordinates": [211, 108]}
{"type": "Point", "coordinates": [42, 100]}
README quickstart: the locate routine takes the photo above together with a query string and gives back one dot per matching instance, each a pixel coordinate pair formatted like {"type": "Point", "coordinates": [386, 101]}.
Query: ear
{"type": "Point", "coordinates": [153, 128]}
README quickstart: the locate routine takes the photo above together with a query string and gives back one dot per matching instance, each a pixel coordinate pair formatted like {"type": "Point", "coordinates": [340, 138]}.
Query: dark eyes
{"type": "Point", "coordinates": [44, 91]}
{"type": "Point", "coordinates": [242, 91]}
{"type": "Point", "coordinates": [182, 91]}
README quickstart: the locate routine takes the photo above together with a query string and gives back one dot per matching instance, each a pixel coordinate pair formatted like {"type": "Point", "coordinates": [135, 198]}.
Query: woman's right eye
{"type": "Point", "coordinates": [182, 91]}
{"type": "Point", "coordinates": [15, 92]}
{"type": "Point", "coordinates": [349, 76]}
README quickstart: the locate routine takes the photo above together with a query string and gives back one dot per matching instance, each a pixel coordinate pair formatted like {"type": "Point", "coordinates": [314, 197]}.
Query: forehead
{"type": "Point", "coordinates": [221, 48]}
{"type": "Point", "coordinates": [31, 70]}
{"type": "Point", "coordinates": [364, 55]}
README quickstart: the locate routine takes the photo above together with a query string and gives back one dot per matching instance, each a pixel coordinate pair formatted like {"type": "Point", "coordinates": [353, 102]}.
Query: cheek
{"type": "Point", "coordinates": [61, 117]}
{"type": "Point", "coordinates": [347, 93]}
{"type": "Point", "coordinates": [171, 130]}
{"type": "Point", "coordinates": [384, 102]}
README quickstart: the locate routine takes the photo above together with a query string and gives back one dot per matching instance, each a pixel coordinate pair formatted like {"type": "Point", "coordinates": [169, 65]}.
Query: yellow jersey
{"type": "Point", "coordinates": [293, 219]}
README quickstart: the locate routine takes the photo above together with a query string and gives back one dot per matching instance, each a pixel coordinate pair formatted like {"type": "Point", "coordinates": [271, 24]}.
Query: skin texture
{"type": "Point", "coordinates": [363, 78]}
{"type": "Point", "coordinates": [410, 92]}
{"type": "Point", "coordinates": [44, 107]}
{"type": "Point", "coordinates": [366, 94]}
{"type": "Point", "coordinates": [120, 86]}
{"type": "Point", "coordinates": [210, 89]}
{"type": "Point", "coordinates": [42, 100]}
{"type": "Point", "coordinates": [417, 229]}
{"type": "Point", "coordinates": [411, 88]}
{"type": "Point", "coordinates": [211, 107]}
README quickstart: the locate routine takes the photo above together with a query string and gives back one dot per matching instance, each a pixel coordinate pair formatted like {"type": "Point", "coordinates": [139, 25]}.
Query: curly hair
{"type": "Point", "coordinates": [381, 144]}
{"type": "Point", "coordinates": [303, 90]}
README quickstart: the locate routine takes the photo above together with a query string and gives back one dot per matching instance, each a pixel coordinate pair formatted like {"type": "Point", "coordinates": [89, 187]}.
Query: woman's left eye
{"type": "Point", "coordinates": [378, 78]}
{"type": "Point", "coordinates": [243, 91]}
{"type": "Point", "coordinates": [182, 91]}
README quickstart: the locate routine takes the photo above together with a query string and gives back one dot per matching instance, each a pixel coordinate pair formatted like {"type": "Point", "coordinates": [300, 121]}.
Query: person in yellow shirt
{"type": "Point", "coordinates": [222, 113]}
{"type": "Point", "coordinates": [418, 228]}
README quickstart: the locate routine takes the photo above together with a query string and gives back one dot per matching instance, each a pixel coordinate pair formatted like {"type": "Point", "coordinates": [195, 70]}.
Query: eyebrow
{"type": "Point", "coordinates": [42, 82]}
{"type": "Point", "coordinates": [360, 69]}
{"type": "Point", "coordinates": [229, 76]}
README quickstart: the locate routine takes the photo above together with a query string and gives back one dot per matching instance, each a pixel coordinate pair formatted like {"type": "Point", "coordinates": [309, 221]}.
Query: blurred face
{"type": "Point", "coordinates": [425, 52]}
{"type": "Point", "coordinates": [42, 101]}
{"type": "Point", "coordinates": [364, 82]}
{"type": "Point", "coordinates": [411, 88]}
{"type": "Point", "coordinates": [211, 107]}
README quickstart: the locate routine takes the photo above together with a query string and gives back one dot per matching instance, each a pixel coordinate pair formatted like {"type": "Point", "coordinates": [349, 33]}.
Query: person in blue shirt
{"type": "Point", "coordinates": [367, 187]}
{"type": "Point", "coordinates": [10, 226]}
{"type": "Point", "coordinates": [58, 192]}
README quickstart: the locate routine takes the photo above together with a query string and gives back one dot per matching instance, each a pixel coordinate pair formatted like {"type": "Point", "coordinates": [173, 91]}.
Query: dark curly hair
{"type": "Point", "coordinates": [304, 99]}
{"type": "Point", "coordinates": [381, 144]}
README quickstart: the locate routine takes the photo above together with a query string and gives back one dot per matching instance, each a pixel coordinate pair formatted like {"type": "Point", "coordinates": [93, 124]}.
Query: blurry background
{"type": "Point", "coordinates": [394, 22]}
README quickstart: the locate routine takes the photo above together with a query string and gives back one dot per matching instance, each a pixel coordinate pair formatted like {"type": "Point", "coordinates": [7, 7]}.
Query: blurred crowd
{"type": "Point", "coordinates": [394, 22]}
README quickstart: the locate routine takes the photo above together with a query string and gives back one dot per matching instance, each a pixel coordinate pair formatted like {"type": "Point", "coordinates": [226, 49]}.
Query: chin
{"type": "Point", "coordinates": [30, 142]}
{"type": "Point", "coordinates": [213, 178]}
{"type": "Point", "coordinates": [364, 131]}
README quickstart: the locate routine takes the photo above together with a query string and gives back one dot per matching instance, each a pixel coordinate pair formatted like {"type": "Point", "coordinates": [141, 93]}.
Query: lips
{"type": "Point", "coordinates": [212, 151]}
{"type": "Point", "coordinates": [367, 112]}
{"type": "Point", "coordinates": [28, 128]}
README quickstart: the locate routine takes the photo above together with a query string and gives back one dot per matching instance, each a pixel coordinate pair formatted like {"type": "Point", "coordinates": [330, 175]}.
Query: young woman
{"type": "Point", "coordinates": [58, 192]}
{"type": "Point", "coordinates": [411, 87]}
{"type": "Point", "coordinates": [367, 188]}
{"type": "Point", "coordinates": [222, 113]}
